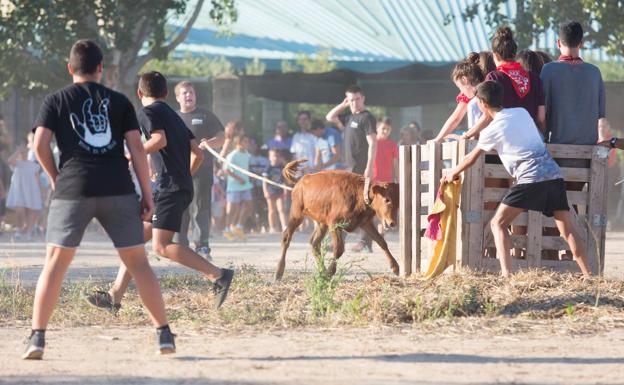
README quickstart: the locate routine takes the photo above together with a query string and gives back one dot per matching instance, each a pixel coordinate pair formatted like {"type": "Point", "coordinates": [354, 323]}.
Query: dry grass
{"type": "Point", "coordinates": [531, 301]}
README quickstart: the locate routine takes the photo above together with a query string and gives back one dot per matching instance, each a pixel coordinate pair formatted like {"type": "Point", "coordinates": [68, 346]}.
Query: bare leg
{"type": "Point", "coordinates": [49, 284]}
{"type": "Point", "coordinates": [244, 211]}
{"type": "Point", "coordinates": [135, 260]}
{"type": "Point", "coordinates": [123, 279]}
{"type": "Point", "coordinates": [184, 255]}
{"type": "Point", "coordinates": [370, 229]}
{"type": "Point", "coordinates": [499, 223]}
{"type": "Point", "coordinates": [272, 214]}
{"type": "Point", "coordinates": [569, 233]}
{"type": "Point", "coordinates": [281, 211]}
{"type": "Point", "coordinates": [232, 214]}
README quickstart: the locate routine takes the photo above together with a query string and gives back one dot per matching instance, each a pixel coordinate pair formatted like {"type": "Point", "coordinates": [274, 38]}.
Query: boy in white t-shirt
{"type": "Point", "coordinates": [538, 182]}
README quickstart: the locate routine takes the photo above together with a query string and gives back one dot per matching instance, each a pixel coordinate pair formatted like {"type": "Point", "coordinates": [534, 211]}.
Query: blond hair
{"type": "Point", "coordinates": [182, 84]}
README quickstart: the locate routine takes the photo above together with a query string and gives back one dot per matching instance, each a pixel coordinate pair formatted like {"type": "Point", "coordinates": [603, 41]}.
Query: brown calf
{"type": "Point", "coordinates": [335, 201]}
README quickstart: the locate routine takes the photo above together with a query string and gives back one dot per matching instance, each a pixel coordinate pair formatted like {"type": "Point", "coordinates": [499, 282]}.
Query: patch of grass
{"type": "Point", "coordinates": [473, 300]}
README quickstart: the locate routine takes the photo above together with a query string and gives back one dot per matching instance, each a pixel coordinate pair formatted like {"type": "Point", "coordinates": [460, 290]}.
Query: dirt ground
{"type": "Point", "coordinates": [376, 355]}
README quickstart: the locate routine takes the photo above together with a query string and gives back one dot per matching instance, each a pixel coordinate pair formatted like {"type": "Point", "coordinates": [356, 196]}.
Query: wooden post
{"type": "Point", "coordinates": [463, 238]}
{"type": "Point", "coordinates": [416, 205]}
{"type": "Point", "coordinates": [534, 239]}
{"type": "Point", "coordinates": [596, 210]}
{"type": "Point", "coordinates": [405, 208]}
{"type": "Point", "coordinates": [474, 216]}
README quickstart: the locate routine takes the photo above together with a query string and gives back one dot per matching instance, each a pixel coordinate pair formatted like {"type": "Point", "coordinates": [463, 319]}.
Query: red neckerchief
{"type": "Point", "coordinates": [518, 76]}
{"type": "Point", "coordinates": [461, 98]}
{"type": "Point", "coordinates": [570, 59]}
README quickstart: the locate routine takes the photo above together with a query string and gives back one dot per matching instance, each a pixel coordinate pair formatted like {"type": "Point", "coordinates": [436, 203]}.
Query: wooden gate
{"type": "Point", "coordinates": [421, 168]}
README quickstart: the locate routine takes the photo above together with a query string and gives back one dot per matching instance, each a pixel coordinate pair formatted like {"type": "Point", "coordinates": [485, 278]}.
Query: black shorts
{"type": "Point", "coordinates": [547, 196]}
{"type": "Point", "coordinates": [169, 208]}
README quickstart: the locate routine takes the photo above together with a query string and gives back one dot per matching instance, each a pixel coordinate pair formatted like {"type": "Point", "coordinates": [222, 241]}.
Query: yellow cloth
{"type": "Point", "coordinates": [446, 205]}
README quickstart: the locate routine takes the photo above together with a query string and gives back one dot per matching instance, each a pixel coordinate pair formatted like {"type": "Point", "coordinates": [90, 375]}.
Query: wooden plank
{"type": "Point", "coordinates": [424, 200]}
{"type": "Point", "coordinates": [405, 207]}
{"type": "Point", "coordinates": [516, 241]}
{"type": "Point", "coordinates": [597, 209]}
{"type": "Point", "coordinates": [435, 167]}
{"type": "Point", "coordinates": [523, 219]}
{"type": "Point", "coordinates": [534, 239]}
{"type": "Point", "coordinates": [496, 194]}
{"type": "Point", "coordinates": [554, 243]}
{"type": "Point", "coordinates": [570, 151]}
{"type": "Point", "coordinates": [561, 265]}
{"type": "Point", "coordinates": [475, 208]}
{"type": "Point", "coordinates": [447, 150]}
{"type": "Point", "coordinates": [569, 174]}
{"type": "Point", "coordinates": [417, 206]}
{"type": "Point", "coordinates": [493, 264]}
{"type": "Point", "coordinates": [424, 152]}
{"type": "Point", "coordinates": [463, 227]}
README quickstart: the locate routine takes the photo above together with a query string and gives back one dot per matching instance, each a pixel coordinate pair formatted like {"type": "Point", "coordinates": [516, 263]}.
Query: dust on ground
{"type": "Point", "coordinates": [403, 354]}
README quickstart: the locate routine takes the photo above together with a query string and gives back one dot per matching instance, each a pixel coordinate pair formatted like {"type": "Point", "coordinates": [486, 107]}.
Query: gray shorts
{"type": "Point", "coordinates": [119, 215]}
{"type": "Point", "coordinates": [239, 196]}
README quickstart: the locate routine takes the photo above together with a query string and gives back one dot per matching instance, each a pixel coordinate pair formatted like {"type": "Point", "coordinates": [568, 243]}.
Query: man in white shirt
{"type": "Point", "coordinates": [538, 182]}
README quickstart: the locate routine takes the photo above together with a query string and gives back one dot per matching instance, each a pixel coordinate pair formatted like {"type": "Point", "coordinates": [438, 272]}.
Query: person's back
{"type": "Point", "coordinates": [574, 92]}
{"type": "Point", "coordinates": [171, 163]}
{"type": "Point", "coordinates": [90, 142]}
{"type": "Point", "coordinates": [575, 100]}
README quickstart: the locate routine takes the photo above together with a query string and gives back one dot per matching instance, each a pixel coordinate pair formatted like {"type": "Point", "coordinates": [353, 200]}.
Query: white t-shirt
{"type": "Point", "coordinates": [516, 139]}
{"type": "Point", "coordinates": [303, 146]}
{"type": "Point", "coordinates": [473, 112]}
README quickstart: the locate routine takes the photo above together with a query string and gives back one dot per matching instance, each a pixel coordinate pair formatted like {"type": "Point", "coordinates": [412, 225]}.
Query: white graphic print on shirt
{"type": "Point", "coordinates": [94, 129]}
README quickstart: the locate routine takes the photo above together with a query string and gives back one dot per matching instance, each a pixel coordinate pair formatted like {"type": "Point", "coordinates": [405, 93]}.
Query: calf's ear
{"type": "Point", "coordinates": [378, 190]}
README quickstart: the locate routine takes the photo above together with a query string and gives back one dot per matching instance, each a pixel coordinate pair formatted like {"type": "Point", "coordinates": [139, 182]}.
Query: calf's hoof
{"type": "Point", "coordinates": [395, 269]}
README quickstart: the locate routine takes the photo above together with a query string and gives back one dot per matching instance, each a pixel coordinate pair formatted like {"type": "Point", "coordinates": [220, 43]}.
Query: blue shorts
{"type": "Point", "coordinates": [239, 196]}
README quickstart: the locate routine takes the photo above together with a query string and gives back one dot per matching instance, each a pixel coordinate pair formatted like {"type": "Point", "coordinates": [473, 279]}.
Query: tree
{"type": "Point", "coordinates": [602, 20]}
{"type": "Point", "coordinates": [36, 36]}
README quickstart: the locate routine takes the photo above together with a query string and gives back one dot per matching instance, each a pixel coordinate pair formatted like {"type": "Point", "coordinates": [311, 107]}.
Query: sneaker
{"type": "Point", "coordinates": [166, 341]}
{"type": "Point", "coordinates": [240, 233]}
{"type": "Point", "coordinates": [229, 235]}
{"type": "Point", "coordinates": [204, 251]}
{"type": "Point", "coordinates": [36, 343]}
{"type": "Point", "coordinates": [360, 246]}
{"type": "Point", "coordinates": [222, 286]}
{"type": "Point", "coordinates": [103, 300]}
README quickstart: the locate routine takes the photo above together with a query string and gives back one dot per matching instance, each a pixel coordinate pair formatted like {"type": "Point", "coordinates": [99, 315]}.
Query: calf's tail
{"type": "Point", "coordinates": [290, 170]}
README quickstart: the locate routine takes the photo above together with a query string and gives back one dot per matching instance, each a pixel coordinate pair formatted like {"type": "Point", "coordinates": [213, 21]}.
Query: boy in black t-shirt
{"type": "Point", "coordinates": [175, 157]}
{"type": "Point", "coordinates": [90, 123]}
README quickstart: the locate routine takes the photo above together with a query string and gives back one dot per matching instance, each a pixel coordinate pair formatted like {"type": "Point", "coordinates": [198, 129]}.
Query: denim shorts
{"type": "Point", "coordinates": [119, 215]}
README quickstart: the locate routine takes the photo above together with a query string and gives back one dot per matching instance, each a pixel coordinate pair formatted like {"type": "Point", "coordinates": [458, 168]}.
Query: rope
{"type": "Point", "coordinates": [243, 171]}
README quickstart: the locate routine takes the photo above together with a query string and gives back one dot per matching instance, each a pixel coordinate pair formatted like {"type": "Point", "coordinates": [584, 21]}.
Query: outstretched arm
{"type": "Point", "coordinates": [139, 163]}
{"type": "Point", "coordinates": [483, 122]}
{"type": "Point", "coordinates": [452, 122]}
{"type": "Point", "coordinates": [463, 165]}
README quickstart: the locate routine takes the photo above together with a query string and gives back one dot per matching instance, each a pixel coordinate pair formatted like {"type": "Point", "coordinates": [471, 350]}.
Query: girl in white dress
{"type": "Point", "coordinates": [24, 196]}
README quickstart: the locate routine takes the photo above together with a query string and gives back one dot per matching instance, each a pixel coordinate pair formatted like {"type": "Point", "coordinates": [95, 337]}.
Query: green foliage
{"type": "Point", "coordinates": [602, 20]}
{"type": "Point", "coordinates": [612, 71]}
{"type": "Point", "coordinates": [190, 66]}
{"type": "Point", "coordinates": [36, 35]}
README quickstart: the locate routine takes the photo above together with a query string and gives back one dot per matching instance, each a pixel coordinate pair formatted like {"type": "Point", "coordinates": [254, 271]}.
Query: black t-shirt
{"type": "Point", "coordinates": [89, 122]}
{"type": "Point", "coordinates": [356, 128]}
{"type": "Point", "coordinates": [203, 124]}
{"type": "Point", "coordinates": [172, 163]}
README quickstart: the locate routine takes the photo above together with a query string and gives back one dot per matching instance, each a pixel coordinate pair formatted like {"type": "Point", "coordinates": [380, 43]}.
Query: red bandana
{"type": "Point", "coordinates": [518, 76]}
{"type": "Point", "coordinates": [570, 59]}
{"type": "Point", "coordinates": [461, 98]}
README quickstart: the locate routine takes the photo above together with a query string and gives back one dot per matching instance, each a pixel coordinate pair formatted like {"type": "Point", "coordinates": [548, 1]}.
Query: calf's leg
{"type": "Point", "coordinates": [316, 241]}
{"type": "Point", "coordinates": [372, 231]}
{"type": "Point", "coordinates": [293, 223]}
{"type": "Point", "coordinates": [338, 241]}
